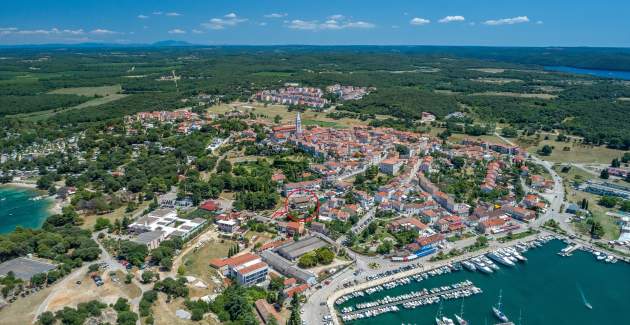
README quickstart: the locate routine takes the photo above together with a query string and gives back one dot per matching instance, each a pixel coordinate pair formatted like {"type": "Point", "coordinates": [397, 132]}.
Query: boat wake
{"type": "Point", "coordinates": [586, 303]}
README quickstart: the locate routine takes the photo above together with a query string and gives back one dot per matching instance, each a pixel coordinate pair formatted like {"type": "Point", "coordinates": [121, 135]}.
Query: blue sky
{"type": "Point", "coordinates": [320, 22]}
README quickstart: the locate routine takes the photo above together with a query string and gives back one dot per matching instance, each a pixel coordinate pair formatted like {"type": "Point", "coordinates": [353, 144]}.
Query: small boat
{"type": "Point", "coordinates": [447, 321]}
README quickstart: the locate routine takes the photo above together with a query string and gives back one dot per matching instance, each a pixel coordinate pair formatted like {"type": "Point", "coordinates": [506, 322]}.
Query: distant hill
{"type": "Point", "coordinates": [165, 43]}
{"type": "Point", "coordinates": [172, 43]}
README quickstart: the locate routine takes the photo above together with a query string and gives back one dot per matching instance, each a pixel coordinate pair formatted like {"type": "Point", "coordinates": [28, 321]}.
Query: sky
{"type": "Point", "coordinates": [319, 22]}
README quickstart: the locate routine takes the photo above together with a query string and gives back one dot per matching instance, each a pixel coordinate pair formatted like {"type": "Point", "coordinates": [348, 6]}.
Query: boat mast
{"type": "Point", "coordinates": [500, 294]}
{"type": "Point", "coordinates": [461, 312]}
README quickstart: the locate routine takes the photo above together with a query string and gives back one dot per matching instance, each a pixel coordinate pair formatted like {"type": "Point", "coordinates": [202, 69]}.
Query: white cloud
{"type": "Point", "coordinates": [507, 21]}
{"type": "Point", "coordinates": [449, 19]}
{"type": "Point", "coordinates": [102, 31]}
{"type": "Point", "coordinates": [177, 31]}
{"type": "Point", "coordinates": [303, 24]}
{"type": "Point", "coordinates": [263, 24]}
{"type": "Point", "coordinates": [419, 21]}
{"type": "Point", "coordinates": [173, 14]}
{"type": "Point", "coordinates": [276, 15]}
{"type": "Point", "coordinates": [359, 24]}
{"type": "Point", "coordinates": [196, 31]}
{"type": "Point", "coordinates": [330, 24]}
{"type": "Point", "coordinates": [229, 20]}
{"type": "Point", "coordinates": [141, 16]}
{"type": "Point", "coordinates": [157, 13]}
{"type": "Point", "coordinates": [52, 31]}
{"type": "Point", "coordinates": [540, 22]}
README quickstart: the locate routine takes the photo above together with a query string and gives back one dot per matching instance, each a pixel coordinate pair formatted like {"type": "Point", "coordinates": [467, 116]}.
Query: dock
{"type": "Point", "coordinates": [431, 296]}
{"type": "Point", "coordinates": [567, 251]}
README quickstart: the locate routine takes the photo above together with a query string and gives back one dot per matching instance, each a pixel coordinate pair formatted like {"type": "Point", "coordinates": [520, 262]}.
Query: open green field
{"type": "Point", "coordinates": [575, 196]}
{"type": "Point", "coordinates": [578, 153]}
{"type": "Point", "coordinates": [197, 262]}
{"type": "Point", "coordinates": [270, 111]}
{"type": "Point", "coordinates": [42, 115]}
{"type": "Point", "coordinates": [89, 91]}
{"type": "Point", "coordinates": [278, 74]}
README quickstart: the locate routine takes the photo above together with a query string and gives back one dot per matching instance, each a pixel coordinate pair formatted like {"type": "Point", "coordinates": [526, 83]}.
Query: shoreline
{"type": "Point", "coordinates": [31, 186]}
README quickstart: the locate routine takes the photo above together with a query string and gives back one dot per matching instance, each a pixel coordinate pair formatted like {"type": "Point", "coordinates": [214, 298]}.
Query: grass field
{"type": "Point", "coordinates": [308, 117]}
{"type": "Point", "coordinates": [88, 91]}
{"type": "Point", "coordinates": [23, 310]}
{"type": "Point", "coordinates": [578, 153]}
{"type": "Point", "coordinates": [575, 196]}
{"type": "Point", "coordinates": [272, 74]}
{"type": "Point", "coordinates": [197, 262]}
{"type": "Point", "coordinates": [106, 94]}
{"type": "Point", "coordinates": [90, 220]}
{"type": "Point", "coordinates": [164, 313]}
{"type": "Point", "coordinates": [519, 95]}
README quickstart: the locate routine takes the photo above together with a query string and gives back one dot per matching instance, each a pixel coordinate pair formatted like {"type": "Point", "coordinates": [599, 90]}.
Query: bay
{"type": "Point", "coordinates": [18, 207]}
{"type": "Point", "coordinates": [547, 289]}
{"type": "Point", "coordinates": [611, 74]}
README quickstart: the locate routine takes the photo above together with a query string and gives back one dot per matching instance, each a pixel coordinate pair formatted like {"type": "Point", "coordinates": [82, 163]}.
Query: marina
{"type": "Point", "coordinates": [410, 300]}
{"type": "Point", "coordinates": [519, 274]}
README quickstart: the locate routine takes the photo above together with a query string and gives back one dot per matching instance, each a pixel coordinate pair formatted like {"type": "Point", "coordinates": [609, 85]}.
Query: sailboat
{"type": "Point", "coordinates": [497, 310]}
{"type": "Point", "coordinates": [438, 317]}
{"type": "Point", "coordinates": [460, 318]}
{"type": "Point", "coordinates": [586, 303]}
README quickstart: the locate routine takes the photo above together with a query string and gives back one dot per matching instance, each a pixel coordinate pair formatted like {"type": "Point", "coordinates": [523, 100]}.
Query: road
{"type": "Point", "coordinates": [555, 197]}
{"type": "Point", "coordinates": [320, 300]}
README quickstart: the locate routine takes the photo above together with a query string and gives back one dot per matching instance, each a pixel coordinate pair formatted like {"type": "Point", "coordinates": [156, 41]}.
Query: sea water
{"type": "Point", "coordinates": [547, 289]}
{"type": "Point", "coordinates": [18, 207]}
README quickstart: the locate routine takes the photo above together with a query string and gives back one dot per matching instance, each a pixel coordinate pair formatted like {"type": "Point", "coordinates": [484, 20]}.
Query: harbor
{"type": "Point", "coordinates": [523, 272]}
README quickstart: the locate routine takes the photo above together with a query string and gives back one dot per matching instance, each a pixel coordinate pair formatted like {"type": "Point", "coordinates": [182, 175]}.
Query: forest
{"type": "Point", "coordinates": [488, 84]}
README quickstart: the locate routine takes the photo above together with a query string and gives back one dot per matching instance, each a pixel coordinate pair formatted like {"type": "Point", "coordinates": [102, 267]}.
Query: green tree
{"type": "Point", "coordinates": [615, 163]}
{"type": "Point", "coordinates": [604, 174]}
{"type": "Point", "coordinates": [102, 223]}
{"type": "Point", "coordinates": [47, 318]}
{"type": "Point", "coordinates": [546, 150]}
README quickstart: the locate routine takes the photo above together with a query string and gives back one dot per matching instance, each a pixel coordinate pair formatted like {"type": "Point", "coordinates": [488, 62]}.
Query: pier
{"type": "Point", "coordinates": [567, 251]}
{"type": "Point", "coordinates": [412, 300]}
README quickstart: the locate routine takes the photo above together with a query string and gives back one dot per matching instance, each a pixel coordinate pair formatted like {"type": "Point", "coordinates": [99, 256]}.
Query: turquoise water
{"type": "Point", "coordinates": [17, 208]}
{"type": "Point", "coordinates": [613, 74]}
{"type": "Point", "coordinates": [547, 289]}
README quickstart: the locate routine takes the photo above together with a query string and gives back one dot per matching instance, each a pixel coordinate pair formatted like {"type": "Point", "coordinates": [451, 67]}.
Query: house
{"type": "Point", "coordinates": [491, 225]}
{"type": "Point", "coordinates": [318, 227]}
{"type": "Point", "coordinates": [167, 221]}
{"type": "Point", "coordinates": [408, 223]}
{"type": "Point", "coordinates": [150, 239]}
{"type": "Point", "coordinates": [227, 226]}
{"type": "Point", "coordinates": [247, 269]}
{"type": "Point", "coordinates": [520, 213]}
{"type": "Point", "coordinates": [450, 223]}
{"type": "Point", "coordinates": [430, 241]}
{"type": "Point", "coordinates": [291, 227]}
{"type": "Point", "coordinates": [266, 311]}
{"type": "Point", "coordinates": [210, 206]}
{"type": "Point", "coordinates": [390, 166]}
{"type": "Point", "coordinates": [296, 290]}
{"type": "Point", "coordinates": [572, 208]}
